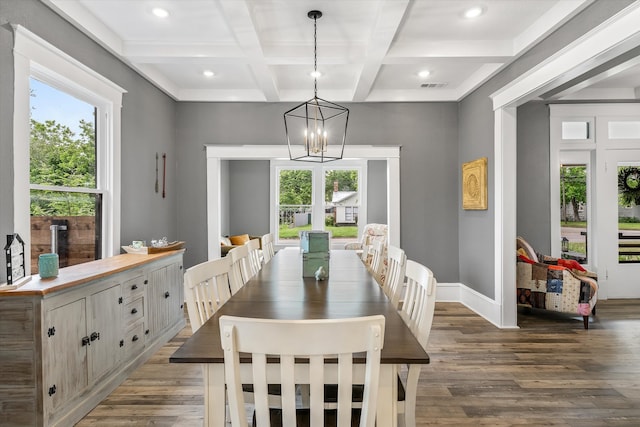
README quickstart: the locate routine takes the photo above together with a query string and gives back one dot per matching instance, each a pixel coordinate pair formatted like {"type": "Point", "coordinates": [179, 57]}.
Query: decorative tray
{"type": "Point", "coordinates": [171, 246]}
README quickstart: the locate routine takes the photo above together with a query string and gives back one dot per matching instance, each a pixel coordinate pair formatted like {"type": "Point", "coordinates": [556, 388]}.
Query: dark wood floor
{"type": "Point", "coordinates": [550, 372]}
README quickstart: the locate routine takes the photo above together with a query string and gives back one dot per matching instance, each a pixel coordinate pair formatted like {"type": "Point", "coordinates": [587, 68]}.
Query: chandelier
{"type": "Point", "coordinates": [316, 129]}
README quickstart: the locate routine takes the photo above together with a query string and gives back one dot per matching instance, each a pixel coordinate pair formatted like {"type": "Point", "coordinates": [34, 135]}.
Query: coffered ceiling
{"type": "Point", "coordinates": [368, 50]}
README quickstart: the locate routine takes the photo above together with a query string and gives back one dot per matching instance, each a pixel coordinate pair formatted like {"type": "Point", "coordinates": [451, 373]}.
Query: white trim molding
{"type": "Point", "coordinates": [216, 153]}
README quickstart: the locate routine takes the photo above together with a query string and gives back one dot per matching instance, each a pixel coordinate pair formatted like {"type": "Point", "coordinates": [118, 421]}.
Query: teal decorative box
{"type": "Point", "coordinates": [314, 241]}
{"type": "Point", "coordinates": [311, 261]}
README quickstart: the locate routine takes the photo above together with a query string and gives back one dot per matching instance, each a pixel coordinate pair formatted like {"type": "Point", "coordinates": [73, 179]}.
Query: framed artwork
{"type": "Point", "coordinates": [474, 184]}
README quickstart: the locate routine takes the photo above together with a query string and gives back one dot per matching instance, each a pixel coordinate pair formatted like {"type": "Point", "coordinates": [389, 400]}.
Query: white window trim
{"type": "Point", "coordinates": [318, 186]}
{"type": "Point", "coordinates": [34, 56]}
{"type": "Point", "coordinates": [216, 153]}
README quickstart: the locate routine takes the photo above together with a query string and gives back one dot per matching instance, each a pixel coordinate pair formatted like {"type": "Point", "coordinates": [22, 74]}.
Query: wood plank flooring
{"type": "Point", "coordinates": [550, 372]}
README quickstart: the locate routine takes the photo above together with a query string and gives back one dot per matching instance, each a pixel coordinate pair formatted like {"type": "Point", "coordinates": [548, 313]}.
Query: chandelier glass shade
{"type": "Point", "coordinates": [316, 130]}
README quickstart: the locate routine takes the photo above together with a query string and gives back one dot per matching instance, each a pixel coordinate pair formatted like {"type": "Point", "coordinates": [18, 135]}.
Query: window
{"type": "Point", "coordinates": [575, 130]}
{"type": "Point", "coordinates": [574, 210]}
{"type": "Point", "coordinates": [318, 197]}
{"type": "Point", "coordinates": [65, 199]}
{"type": "Point", "coordinates": [40, 66]}
{"type": "Point", "coordinates": [624, 130]}
{"type": "Point", "coordinates": [295, 203]}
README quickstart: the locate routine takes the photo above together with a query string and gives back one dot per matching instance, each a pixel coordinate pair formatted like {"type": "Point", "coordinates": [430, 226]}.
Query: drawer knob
{"type": "Point", "coordinates": [134, 310]}
{"type": "Point", "coordinates": [134, 287]}
{"type": "Point", "coordinates": [135, 338]}
{"type": "Point", "coordinates": [166, 294]}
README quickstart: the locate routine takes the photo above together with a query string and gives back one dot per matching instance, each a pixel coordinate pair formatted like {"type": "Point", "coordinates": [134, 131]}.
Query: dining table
{"type": "Point", "coordinates": [279, 291]}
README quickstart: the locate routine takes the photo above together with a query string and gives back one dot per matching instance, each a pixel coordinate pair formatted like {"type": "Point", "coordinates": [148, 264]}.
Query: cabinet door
{"type": "Point", "coordinates": [165, 298]}
{"type": "Point", "coordinates": [105, 331]}
{"type": "Point", "coordinates": [158, 297]}
{"type": "Point", "coordinates": [176, 303]}
{"type": "Point", "coordinates": [65, 353]}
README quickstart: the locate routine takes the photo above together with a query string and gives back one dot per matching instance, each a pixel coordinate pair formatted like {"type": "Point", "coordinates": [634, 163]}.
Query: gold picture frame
{"type": "Point", "coordinates": [474, 184]}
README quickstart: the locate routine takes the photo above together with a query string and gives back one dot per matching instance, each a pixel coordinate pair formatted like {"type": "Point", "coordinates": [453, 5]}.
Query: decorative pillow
{"type": "Point", "coordinates": [523, 244]}
{"type": "Point", "coordinates": [240, 239]}
{"type": "Point", "coordinates": [224, 241]}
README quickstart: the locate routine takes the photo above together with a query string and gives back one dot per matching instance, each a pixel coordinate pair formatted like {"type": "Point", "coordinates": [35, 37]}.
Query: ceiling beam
{"type": "Point", "coordinates": [387, 24]}
{"type": "Point", "coordinates": [238, 16]}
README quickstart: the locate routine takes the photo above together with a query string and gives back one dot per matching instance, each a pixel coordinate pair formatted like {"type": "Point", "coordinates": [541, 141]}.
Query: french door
{"type": "Point", "coordinates": [619, 214]}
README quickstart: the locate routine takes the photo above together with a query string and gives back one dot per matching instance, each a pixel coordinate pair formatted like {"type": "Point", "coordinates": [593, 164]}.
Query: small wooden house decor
{"type": "Point", "coordinates": [16, 270]}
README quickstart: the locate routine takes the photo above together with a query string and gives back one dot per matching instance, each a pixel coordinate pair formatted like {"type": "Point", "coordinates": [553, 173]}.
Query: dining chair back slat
{"type": "Point", "coordinates": [255, 258]}
{"type": "Point", "coordinates": [394, 281]}
{"type": "Point", "coordinates": [206, 288]}
{"type": "Point", "coordinates": [377, 260]}
{"type": "Point", "coordinates": [321, 342]}
{"type": "Point", "coordinates": [240, 273]}
{"type": "Point", "coordinates": [268, 248]}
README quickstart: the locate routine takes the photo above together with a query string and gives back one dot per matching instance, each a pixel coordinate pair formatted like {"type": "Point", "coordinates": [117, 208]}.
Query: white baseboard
{"type": "Point", "coordinates": [485, 307]}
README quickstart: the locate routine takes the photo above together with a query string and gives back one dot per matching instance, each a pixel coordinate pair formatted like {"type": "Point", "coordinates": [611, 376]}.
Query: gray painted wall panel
{"type": "Point", "coordinates": [249, 197]}
{"type": "Point", "coordinates": [377, 191]}
{"type": "Point", "coordinates": [533, 176]}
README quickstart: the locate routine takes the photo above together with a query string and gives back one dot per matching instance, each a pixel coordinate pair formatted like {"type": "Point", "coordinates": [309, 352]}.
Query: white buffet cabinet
{"type": "Point", "coordinates": [67, 342]}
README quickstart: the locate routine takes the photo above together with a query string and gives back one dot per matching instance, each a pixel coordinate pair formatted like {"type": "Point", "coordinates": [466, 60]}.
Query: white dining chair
{"type": "Point", "coordinates": [206, 289]}
{"type": "Point", "coordinates": [255, 256]}
{"type": "Point", "coordinates": [377, 260]}
{"type": "Point", "coordinates": [394, 281]}
{"type": "Point", "coordinates": [417, 311]}
{"type": "Point", "coordinates": [240, 270]}
{"type": "Point", "coordinates": [319, 341]}
{"type": "Point", "coordinates": [268, 248]}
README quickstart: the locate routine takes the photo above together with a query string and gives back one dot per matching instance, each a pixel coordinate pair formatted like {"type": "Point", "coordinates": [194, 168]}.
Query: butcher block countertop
{"type": "Point", "coordinates": [84, 273]}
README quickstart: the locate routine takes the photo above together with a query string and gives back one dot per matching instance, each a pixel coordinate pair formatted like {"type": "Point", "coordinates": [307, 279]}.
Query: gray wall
{"type": "Point", "coordinates": [534, 207]}
{"type": "Point", "coordinates": [427, 133]}
{"type": "Point", "coordinates": [148, 124]}
{"type": "Point", "coordinates": [249, 197]}
{"type": "Point", "coordinates": [377, 191]}
{"type": "Point", "coordinates": [476, 139]}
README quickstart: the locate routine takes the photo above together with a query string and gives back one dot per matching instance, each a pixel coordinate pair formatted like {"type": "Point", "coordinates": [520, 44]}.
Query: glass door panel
{"type": "Point", "coordinates": [295, 204]}
{"type": "Point", "coordinates": [341, 204]}
{"type": "Point", "coordinates": [620, 209]}
{"type": "Point", "coordinates": [573, 212]}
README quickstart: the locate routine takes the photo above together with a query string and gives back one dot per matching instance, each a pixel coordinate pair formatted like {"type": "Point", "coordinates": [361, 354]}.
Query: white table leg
{"type": "Point", "coordinates": [387, 413]}
{"type": "Point", "coordinates": [214, 395]}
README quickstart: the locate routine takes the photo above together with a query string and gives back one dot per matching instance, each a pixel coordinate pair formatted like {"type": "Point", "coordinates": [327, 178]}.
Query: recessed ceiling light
{"type": "Point", "coordinates": [315, 74]}
{"type": "Point", "coordinates": [424, 74]}
{"type": "Point", "coordinates": [473, 12]}
{"type": "Point", "coordinates": [208, 73]}
{"type": "Point", "coordinates": [160, 12]}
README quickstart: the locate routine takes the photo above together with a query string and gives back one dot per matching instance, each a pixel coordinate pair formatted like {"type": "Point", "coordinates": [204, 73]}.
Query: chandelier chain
{"type": "Point", "coordinates": [315, 57]}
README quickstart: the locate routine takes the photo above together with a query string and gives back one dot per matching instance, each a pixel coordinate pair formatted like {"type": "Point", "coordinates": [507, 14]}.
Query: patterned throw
{"type": "Point", "coordinates": [554, 287]}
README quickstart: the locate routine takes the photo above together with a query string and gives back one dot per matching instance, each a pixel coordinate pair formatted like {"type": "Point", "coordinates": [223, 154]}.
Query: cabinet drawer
{"type": "Point", "coordinates": [134, 339]}
{"type": "Point", "coordinates": [132, 312]}
{"type": "Point", "coordinates": [133, 288]}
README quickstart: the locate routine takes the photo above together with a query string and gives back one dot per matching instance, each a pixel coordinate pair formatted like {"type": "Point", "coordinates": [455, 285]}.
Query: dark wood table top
{"type": "Point", "coordinates": [280, 292]}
